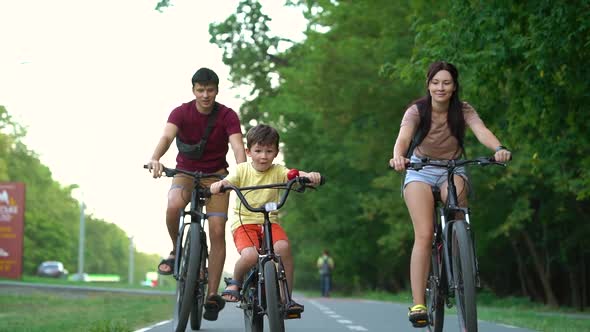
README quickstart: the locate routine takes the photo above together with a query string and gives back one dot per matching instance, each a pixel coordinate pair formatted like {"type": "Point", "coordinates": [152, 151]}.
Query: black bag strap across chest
{"type": "Point", "coordinates": [210, 123]}
{"type": "Point", "coordinates": [195, 151]}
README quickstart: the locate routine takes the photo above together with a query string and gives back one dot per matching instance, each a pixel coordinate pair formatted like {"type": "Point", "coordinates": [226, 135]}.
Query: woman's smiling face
{"type": "Point", "coordinates": [441, 87]}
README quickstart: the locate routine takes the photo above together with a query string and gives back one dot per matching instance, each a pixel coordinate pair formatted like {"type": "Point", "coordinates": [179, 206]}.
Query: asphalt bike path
{"type": "Point", "coordinates": [335, 315]}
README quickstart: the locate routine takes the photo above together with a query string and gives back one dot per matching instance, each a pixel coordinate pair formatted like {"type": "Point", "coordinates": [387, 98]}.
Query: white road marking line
{"type": "Point", "coordinates": [151, 327]}
{"type": "Point", "coordinates": [330, 313]}
{"type": "Point", "coordinates": [508, 326]}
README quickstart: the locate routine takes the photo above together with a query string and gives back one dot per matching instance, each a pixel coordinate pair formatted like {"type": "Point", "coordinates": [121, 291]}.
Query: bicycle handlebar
{"type": "Point", "coordinates": [303, 181]}
{"type": "Point", "coordinates": [453, 163]}
{"type": "Point", "coordinates": [170, 172]}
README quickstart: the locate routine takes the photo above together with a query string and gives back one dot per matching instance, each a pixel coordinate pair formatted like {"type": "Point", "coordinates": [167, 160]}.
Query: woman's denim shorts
{"type": "Point", "coordinates": [432, 175]}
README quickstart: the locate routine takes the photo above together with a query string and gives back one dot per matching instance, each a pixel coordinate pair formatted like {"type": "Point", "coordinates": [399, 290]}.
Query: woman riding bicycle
{"type": "Point", "coordinates": [434, 126]}
{"type": "Point", "coordinates": [262, 145]}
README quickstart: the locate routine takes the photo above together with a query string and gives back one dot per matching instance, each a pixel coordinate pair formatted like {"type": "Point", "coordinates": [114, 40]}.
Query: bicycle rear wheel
{"type": "Point", "coordinates": [434, 292]}
{"type": "Point", "coordinates": [464, 276]}
{"type": "Point", "coordinates": [201, 290]}
{"type": "Point", "coordinates": [187, 277]}
{"type": "Point", "coordinates": [274, 307]}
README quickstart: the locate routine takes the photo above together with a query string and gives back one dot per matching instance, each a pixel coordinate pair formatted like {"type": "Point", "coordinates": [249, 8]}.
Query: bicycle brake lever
{"type": "Point", "coordinates": [300, 189]}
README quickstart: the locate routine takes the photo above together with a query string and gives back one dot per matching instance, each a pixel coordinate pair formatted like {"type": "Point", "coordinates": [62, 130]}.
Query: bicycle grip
{"type": "Point", "coordinates": [145, 166]}
{"type": "Point", "coordinates": [306, 180]}
{"type": "Point", "coordinates": [206, 192]}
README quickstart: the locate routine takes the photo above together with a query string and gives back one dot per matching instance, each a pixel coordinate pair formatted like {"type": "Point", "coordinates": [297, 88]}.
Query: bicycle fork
{"type": "Point", "coordinates": [475, 263]}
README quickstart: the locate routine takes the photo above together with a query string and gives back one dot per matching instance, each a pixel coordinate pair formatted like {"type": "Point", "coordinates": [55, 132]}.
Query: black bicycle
{"type": "Point", "coordinates": [190, 263]}
{"type": "Point", "coordinates": [454, 269]}
{"type": "Point", "coordinates": [265, 290]}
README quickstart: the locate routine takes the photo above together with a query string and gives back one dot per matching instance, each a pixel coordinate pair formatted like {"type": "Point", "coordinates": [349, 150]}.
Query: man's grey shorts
{"type": "Point", "coordinates": [432, 175]}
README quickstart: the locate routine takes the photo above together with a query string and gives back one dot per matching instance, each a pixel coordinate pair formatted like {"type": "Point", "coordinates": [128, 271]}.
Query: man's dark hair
{"type": "Point", "coordinates": [262, 134]}
{"type": "Point", "coordinates": [205, 76]}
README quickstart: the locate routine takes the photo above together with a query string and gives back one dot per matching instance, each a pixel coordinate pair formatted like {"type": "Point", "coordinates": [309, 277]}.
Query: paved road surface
{"type": "Point", "coordinates": [336, 315]}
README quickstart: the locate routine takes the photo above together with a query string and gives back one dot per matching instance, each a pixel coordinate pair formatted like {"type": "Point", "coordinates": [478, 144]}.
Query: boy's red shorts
{"type": "Point", "coordinates": [251, 235]}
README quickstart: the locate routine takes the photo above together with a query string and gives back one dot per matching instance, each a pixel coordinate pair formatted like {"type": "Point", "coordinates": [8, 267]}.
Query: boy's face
{"type": "Point", "coordinates": [262, 156]}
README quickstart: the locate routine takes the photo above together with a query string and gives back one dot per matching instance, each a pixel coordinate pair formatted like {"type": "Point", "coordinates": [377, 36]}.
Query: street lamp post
{"type": "Point", "coordinates": [131, 259]}
{"type": "Point", "coordinates": [81, 241]}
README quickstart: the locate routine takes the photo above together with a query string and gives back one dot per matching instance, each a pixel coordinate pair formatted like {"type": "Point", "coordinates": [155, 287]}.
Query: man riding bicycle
{"type": "Point", "coordinates": [202, 129]}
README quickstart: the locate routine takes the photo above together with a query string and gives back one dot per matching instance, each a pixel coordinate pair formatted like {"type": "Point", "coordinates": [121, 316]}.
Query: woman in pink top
{"type": "Point", "coordinates": [442, 117]}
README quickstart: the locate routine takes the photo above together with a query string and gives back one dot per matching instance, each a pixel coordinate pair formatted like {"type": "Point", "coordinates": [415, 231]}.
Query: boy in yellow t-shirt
{"type": "Point", "coordinates": [262, 143]}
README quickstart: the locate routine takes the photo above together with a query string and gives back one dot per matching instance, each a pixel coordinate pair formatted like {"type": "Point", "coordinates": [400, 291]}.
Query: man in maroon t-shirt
{"type": "Point", "coordinates": [187, 124]}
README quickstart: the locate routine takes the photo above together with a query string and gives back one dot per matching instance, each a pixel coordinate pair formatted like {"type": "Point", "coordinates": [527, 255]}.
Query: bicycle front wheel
{"type": "Point", "coordinates": [201, 291]}
{"type": "Point", "coordinates": [434, 292]}
{"type": "Point", "coordinates": [274, 307]}
{"type": "Point", "coordinates": [253, 318]}
{"type": "Point", "coordinates": [464, 276]}
{"type": "Point", "coordinates": [187, 277]}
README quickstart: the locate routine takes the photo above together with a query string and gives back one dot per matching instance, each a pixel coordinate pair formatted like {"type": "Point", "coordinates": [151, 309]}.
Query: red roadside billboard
{"type": "Point", "coordinates": [12, 224]}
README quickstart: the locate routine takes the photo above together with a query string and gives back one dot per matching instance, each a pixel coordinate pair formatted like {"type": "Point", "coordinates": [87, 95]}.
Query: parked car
{"type": "Point", "coordinates": [52, 269]}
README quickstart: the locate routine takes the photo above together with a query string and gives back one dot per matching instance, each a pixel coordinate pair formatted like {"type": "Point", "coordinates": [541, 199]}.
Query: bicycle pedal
{"type": "Point", "coordinates": [293, 315]}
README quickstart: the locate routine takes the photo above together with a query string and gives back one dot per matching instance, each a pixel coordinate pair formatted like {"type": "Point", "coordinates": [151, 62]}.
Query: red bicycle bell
{"type": "Point", "coordinates": [293, 173]}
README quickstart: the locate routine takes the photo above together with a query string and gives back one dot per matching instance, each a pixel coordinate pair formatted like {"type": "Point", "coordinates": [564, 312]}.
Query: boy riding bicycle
{"type": "Point", "coordinates": [262, 147]}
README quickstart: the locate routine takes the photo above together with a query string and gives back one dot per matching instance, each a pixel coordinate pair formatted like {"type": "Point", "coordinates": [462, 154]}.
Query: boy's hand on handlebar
{"type": "Point", "coordinates": [155, 167]}
{"type": "Point", "coordinates": [314, 177]}
{"type": "Point", "coordinates": [503, 155]}
{"type": "Point", "coordinates": [399, 163]}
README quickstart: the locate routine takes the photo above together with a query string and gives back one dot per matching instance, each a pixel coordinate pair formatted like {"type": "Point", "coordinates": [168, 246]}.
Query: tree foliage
{"type": "Point", "coordinates": [338, 99]}
{"type": "Point", "coordinates": [52, 216]}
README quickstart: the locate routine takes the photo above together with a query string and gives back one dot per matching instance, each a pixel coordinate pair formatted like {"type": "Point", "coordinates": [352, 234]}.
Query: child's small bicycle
{"type": "Point", "coordinates": [265, 290]}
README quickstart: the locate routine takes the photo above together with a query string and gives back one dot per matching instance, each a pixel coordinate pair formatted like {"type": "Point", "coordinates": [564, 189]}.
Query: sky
{"type": "Point", "coordinates": [93, 83]}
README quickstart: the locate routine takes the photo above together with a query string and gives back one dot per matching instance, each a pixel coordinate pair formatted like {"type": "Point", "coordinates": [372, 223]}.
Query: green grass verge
{"type": "Point", "coordinates": [36, 310]}
{"type": "Point", "coordinates": [167, 284]}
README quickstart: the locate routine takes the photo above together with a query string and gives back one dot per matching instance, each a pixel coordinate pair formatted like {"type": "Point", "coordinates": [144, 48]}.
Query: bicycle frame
{"type": "Point", "coordinates": [448, 211]}
{"type": "Point", "coordinates": [190, 261]}
{"type": "Point", "coordinates": [195, 211]}
{"type": "Point", "coordinates": [454, 237]}
{"type": "Point", "coordinates": [267, 255]}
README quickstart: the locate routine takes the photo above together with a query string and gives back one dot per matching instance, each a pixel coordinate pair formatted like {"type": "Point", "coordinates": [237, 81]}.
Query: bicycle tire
{"type": "Point", "coordinates": [187, 278]}
{"type": "Point", "coordinates": [274, 305]}
{"type": "Point", "coordinates": [464, 276]}
{"type": "Point", "coordinates": [196, 316]}
{"type": "Point", "coordinates": [434, 293]}
{"type": "Point", "coordinates": [253, 320]}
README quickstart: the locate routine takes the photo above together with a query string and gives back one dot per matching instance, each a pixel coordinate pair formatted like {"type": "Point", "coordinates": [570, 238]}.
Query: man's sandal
{"type": "Point", "coordinates": [213, 306]}
{"type": "Point", "coordinates": [235, 293]}
{"type": "Point", "coordinates": [167, 262]}
{"type": "Point", "coordinates": [418, 315]}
